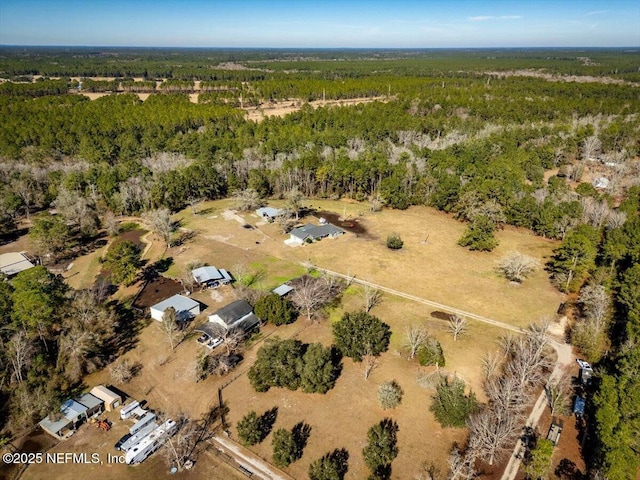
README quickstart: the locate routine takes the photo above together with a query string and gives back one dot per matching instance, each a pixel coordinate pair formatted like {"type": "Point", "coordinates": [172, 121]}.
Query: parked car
{"type": "Point", "coordinates": [214, 342]}
{"type": "Point", "coordinates": [122, 440]}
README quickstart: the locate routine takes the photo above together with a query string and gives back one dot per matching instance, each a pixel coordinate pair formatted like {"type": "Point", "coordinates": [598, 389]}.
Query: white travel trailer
{"type": "Point", "coordinates": [151, 443]}
{"type": "Point", "coordinates": [140, 424]}
{"type": "Point", "coordinates": [135, 439]}
{"type": "Point", "coordinates": [127, 410]}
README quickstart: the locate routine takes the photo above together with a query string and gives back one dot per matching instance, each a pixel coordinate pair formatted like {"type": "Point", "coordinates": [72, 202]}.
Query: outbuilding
{"type": "Point", "coordinates": [111, 399]}
{"type": "Point", "coordinates": [283, 290]}
{"type": "Point", "coordinates": [13, 263]}
{"type": "Point", "coordinates": [211, 276]}
{"type": "Point", "coordinates": [94, 404]}
{"type": "Point", "coordinates": [185, 308]}
{"type": "Point", "coordinates": [269, 213]}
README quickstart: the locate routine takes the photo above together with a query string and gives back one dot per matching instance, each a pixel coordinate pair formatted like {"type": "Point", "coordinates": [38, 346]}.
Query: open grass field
{"type": "Point", "coordinates": [431, 265]}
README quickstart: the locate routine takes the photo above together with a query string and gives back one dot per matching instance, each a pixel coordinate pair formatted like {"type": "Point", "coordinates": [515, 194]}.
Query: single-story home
{"type": "Point", "coordinates": [111, 399]}
{"type": "Point", "coordinates": [282, 290]}
{"type": "Point", "coordinates": [13, 263]}
{"type": "Point", "coordinates": [311, 233]}
{"type": "Point", "coordinates": [238, 314]}
{"type": "Point", "coordinates": [72, 414]}
{"type": "Point", "coordinates": [269, 213]}
{"type": "Point", "coordinates": [185, 308]}
{"type": "Point", "coordinates": [211, 276]}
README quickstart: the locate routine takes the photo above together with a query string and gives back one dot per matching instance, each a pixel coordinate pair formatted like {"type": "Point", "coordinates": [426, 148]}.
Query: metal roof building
{"type": "Point", "coordinates": [13, 263]}
{"type": "Point", "coordinates": [185, 308]}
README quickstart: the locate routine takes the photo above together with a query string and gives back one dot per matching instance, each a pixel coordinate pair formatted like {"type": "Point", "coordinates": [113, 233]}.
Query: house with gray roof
{"type": "Point", "coordinates": [237, 315]}
{"type": "Point", "coordinates": [186, 308]}
{"type": "Point", "coordinates": [311, 233]}
{"type": "Point", "coordinates": [71, 415]}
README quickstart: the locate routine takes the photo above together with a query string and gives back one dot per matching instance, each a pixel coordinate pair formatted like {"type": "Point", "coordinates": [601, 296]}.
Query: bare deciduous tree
{"type": "Point", "coordinates": [594, 212]}
{"type": "Point", "coordinates": [185, 277]}
{"type": "Point", "coordinates": [491, 365]}
{"type": "Point", "coordinates": [179, 446]}
{"type": "Point", "coordinates": [414, 336]}
{"type": "Point", "coordinates": [492, 433]}
{"type": "Point", "coordinates": [506, 393]}
{"type": "Point", "coordinates": [596, 303]}
{"type": "Point", "coordinates": [461, 465]}
{"type": "Point", "coordinates": [294, 202]}
{"type": "Point", "coordinates": [160, 222]}
{"type": "Point", "coordinates": [111, 223]}
{"type": "Point", "coordinates": [457, 325]}
{"type": "Point", "coordinates": [559, 394]}
{"type": "Point", "coordinates": [170, 327]}
{"type": "Point", "coordinates": [591, 146]}
{"type": "Point", "coordinates": [310, 294]}
{"type": "Point", "coordinates": [122, 371]}
{"type": "Point", "coordinates": [19, 351]}
{"type": "Point", "coordinates": [516, 267]}
{"type": "Point", "coordinates": [369, 364]}
{"type": "Point", "coordinates": [247, 200]}
{"type": "Point", "coordinates": [371, 297]}
{"type": "Point", "coordinates": [616, 219]}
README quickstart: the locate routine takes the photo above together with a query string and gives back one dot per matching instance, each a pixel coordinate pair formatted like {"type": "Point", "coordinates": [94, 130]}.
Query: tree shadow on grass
{"type": "Point", "coordinates": [301, 432]}
{"type": "Point", "coordinates": [267, 420]}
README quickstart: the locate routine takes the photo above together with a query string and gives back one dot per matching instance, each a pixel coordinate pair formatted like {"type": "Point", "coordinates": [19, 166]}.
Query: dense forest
{"type": "Point", "coordinates": [441, 129]}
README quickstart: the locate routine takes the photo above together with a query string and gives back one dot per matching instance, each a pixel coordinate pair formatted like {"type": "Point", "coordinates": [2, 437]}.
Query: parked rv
{"type": "Point", "coordinates": [151, 443]}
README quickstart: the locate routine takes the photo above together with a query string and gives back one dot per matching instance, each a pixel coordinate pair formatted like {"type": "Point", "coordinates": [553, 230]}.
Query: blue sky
{"type": "Point", "coordinates": [321, 23]}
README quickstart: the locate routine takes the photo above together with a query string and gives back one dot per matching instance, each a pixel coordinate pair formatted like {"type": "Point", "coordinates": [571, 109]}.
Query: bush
{"type": "Point", "coordinates": [389, 394]}
{"type": "Point", "coordinates": [430, 353]}
{"type": "Point", "coordinates": [275, 310]}
{"type": "Point", "coordinates": [332, 466]}
{"type": "Point", "coordinates": [358, 334]}
{"type": "Point", "coordinates": [479, 235]}
{"type": "Point", "coordinates": [253, 429]}
{"type": "Point", "coordinates": [394, 242]}
{"type": "Point", "coordinates": [451, 406]}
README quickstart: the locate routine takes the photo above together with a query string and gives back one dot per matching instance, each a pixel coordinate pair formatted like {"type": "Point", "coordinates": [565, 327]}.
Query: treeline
{"type": "Point", "coordinates": [196, 64]}
{"type": "Point", "coordinates": [51, 336]}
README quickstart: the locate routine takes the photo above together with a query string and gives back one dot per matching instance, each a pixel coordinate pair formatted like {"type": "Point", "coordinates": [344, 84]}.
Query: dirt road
{"type": "Point", "coordinates": [248, 461]}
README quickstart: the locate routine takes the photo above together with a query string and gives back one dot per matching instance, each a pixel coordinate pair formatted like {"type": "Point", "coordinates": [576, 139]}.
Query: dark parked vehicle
{"type": "Point", "coordinates": [122, 440]}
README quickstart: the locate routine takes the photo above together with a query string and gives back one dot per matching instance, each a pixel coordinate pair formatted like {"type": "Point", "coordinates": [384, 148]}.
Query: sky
{"type": "Point", "coordinates": [322, 23]}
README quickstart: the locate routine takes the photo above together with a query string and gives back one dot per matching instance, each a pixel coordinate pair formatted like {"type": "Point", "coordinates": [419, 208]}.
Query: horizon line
{"type": "Point", "coordinates": [8, 45]}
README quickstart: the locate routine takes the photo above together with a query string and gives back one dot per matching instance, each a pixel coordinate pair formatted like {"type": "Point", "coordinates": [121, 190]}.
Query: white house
{"type": "Point", "coordinates": [211, 276]}
{"type": "Point", "coordinates": [311, 233]}
{"type": "Point", "coordinates": [185, 308]}
{"type": "Point", "coordinates": [601, 182]}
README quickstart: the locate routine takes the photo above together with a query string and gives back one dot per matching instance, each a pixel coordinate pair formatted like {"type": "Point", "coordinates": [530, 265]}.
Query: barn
{"type": "Point", "coordinates": [185, 308]}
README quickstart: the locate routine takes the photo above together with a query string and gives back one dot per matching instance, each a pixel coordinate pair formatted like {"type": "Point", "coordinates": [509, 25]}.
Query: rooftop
{"type": "Point", "coordinates": [13, 263]}
{"type": "Point", "coordinates": [234, 311]}
{"type": "Point", "coordinates": [206, 274]}
{"type": "Point", "coordinates": [282, 290]}
{"type": "Point", "coordinates": [179, 302]}
{"type": "Point", "coordinates": [269, 212]}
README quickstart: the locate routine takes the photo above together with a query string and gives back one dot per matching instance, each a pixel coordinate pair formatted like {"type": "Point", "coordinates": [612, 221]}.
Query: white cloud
{"type": "Point", "coordinates": [481, 18]}
{"type": "Point", "coordinates": [596, 12]}
{"type": "Point", "coordinates": [484, 18]}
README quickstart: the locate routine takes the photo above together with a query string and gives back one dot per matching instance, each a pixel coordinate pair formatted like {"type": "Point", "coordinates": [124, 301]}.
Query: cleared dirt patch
{"type": "Point", "coordinates": [351, 225]}
{"type": "Point", "coordinates": [157, 290]}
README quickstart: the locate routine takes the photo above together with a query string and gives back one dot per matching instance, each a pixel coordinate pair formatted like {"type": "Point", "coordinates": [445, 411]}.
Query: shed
{"type": "Point", "coordinates": [269, 213]}
{"type": "Point", "coordinates": [211, 276]}
{"type": "Point", "coordinates": [283, 290]}
{"type": "Point", "coordinates": [56, 425]}
{"type": "Point", "coordinates": [111, 399]}
{"type": "Point", "coordinates": [186, 308]}
{"type": "Point", "coordinates": [94, 404]}
{"type": "Point", "coordinates": [13, 263]}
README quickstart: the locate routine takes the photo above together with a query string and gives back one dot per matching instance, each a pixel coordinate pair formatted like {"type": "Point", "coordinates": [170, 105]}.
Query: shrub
{"type": "Point", "coordinates": [451, 406]}
{"type": "Point", "coordinates": [358, 334]}
{"type": "Point", "coordinates": [389, 394]}
{"type": "Point", "coordinates": [275, 309]}
{"type": "Point", "coordinates": [479, 235]}
{"type": "Point", "coordinates": [430, 353]}
{"type": "Point", "coordinates": [394, 242]}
